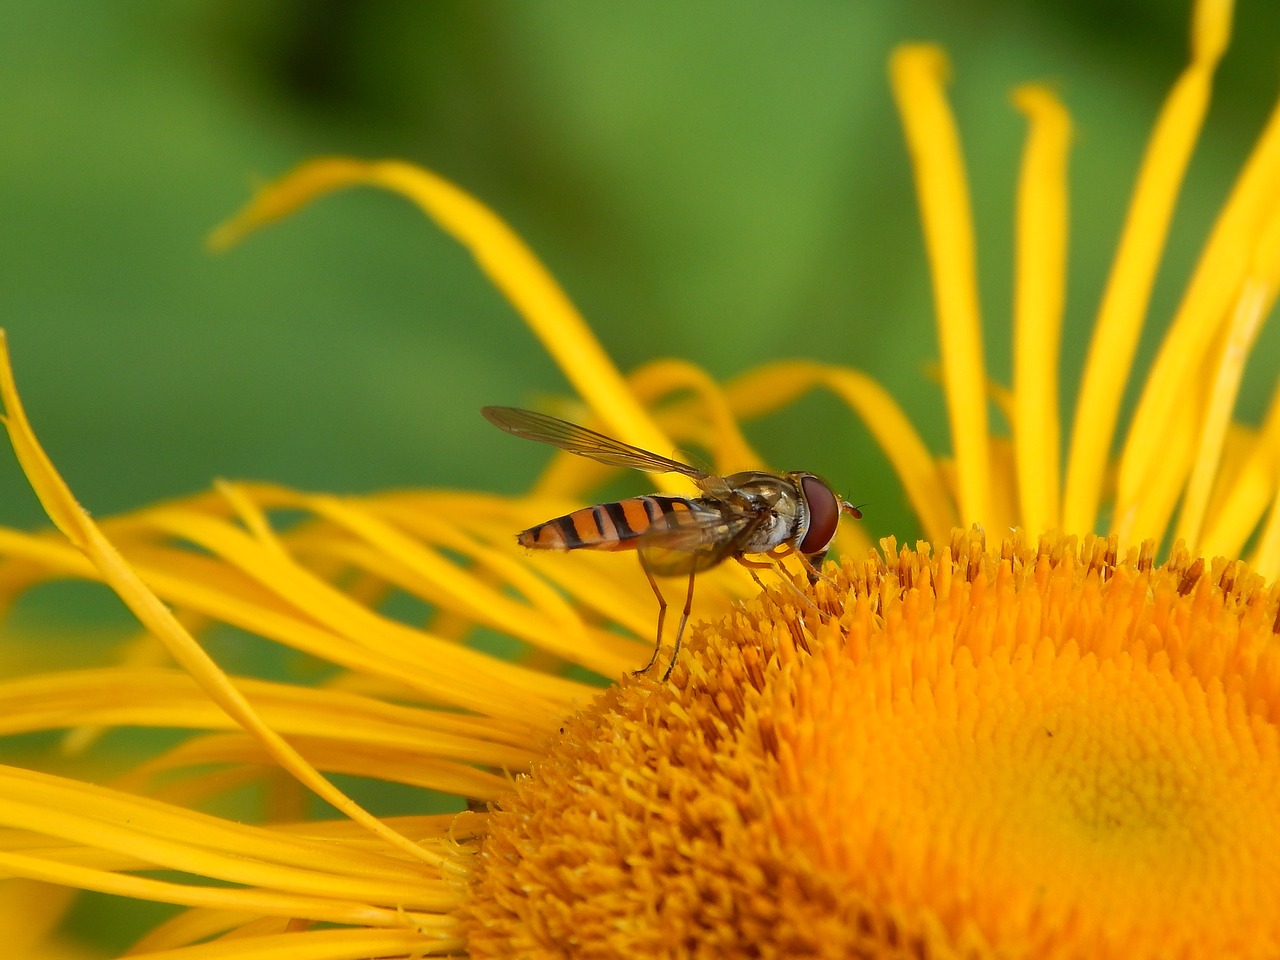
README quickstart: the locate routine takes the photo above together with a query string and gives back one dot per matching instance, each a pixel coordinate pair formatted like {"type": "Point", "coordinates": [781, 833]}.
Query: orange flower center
{"type": "Point", "coordinates": [1036, 753]}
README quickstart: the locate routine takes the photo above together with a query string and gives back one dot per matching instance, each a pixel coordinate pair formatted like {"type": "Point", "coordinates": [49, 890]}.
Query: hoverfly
{"type": "Point", "coordinates": [753, 512]}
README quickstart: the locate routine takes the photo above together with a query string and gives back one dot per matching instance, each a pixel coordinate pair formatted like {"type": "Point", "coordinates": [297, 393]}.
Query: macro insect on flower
{"type": "Point", "coordinates": [752, 512]}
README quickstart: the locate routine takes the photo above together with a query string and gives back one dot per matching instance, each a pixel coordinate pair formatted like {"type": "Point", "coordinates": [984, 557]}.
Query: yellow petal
{"type": "Point", "coordinates": [1124, 303]}
{"type": "Point", "coordinates": [776, 384]}
{"type": "Point", "coordinates": [317, 945]}
{"type": "Point", "coordinates": [71, 519]}
{"type": "Point", "coordinates": [1247, 498]}
{"type": "Point", "coordinates": [918, 74]}
{"type": "Point", "coordinates": [1040, 290]}
{"type": "Point", "coordinates": [502, 255]}
{"type": "Point", "coordinates": [1205, 312]}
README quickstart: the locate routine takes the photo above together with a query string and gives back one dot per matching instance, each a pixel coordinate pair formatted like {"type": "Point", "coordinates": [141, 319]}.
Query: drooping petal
{"type": "Point", "coordinates": [501, 254]}
{"type": "Point", "coordinates": [71, 519]}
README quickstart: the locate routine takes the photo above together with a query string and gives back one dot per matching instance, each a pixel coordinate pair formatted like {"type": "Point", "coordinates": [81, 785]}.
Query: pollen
{"type": "Point", "coordinates": [1045, 750]}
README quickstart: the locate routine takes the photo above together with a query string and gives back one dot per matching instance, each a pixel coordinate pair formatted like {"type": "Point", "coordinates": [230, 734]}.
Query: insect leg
{"type": "Point", "coordinates": [775, 563]}
{"type": "Point", "coordinates": [812, 563]}
{"type": "Point", "coordinates": [684, 618]}
{"type": "Point", "coordinates": [752, 567]}
{"type": "Point", "coordinates": [662, 615]}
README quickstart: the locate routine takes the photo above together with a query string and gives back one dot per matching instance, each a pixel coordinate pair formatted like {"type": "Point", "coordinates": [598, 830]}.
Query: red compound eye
{"type": "Point", "coordinates": [824, 515]}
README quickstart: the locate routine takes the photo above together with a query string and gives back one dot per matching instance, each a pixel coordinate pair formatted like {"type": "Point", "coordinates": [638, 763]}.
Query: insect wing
{"type": "Point", "coordinates": [693, 540]}
{"type": "Point", "coordinates": [584, 442]}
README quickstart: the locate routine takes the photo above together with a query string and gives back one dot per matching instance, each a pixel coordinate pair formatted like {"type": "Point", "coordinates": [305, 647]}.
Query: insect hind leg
{"type": "Point", "coordinates": [684, 618]}
{"type": "Point", "coordinates": [662, 616]}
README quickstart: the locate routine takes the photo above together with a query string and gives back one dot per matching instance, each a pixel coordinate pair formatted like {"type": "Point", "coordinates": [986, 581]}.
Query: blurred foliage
{"type": "Point", "coordinates": [723, 181]}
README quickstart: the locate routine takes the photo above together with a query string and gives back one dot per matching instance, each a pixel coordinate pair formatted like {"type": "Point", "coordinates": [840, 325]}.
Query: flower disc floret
{"type": "Point", "coordinates": [1037, 752]}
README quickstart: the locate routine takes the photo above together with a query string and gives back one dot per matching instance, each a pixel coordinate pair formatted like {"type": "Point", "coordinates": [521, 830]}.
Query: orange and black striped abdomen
{"type": "Point", "coordinates": [607, 526]}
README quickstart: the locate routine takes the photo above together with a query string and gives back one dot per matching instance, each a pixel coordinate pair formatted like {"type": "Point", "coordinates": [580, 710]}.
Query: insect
{"type": "Point", "coordinates": [750, 513]}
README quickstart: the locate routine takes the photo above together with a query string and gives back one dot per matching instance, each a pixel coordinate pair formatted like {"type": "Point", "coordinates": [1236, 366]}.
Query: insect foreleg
{"type": "Point", "coordinates": [812, 563]}
{"type": "Point", "coordinates": [751, 569]}
{"type": "Point", "coordinates": [775, 563]}
{"type": "Point", "coordinates": [753, 565]}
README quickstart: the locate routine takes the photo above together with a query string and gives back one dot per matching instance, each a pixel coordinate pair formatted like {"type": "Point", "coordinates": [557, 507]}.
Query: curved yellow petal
{"type": "Point", "coordinates": [1266, 555]}
{"type": "Point", "coordinates": [189, 829]}
{"type": "Point", "coordinates": [1247, 497]}
{"type": "Point", "coordinates": [195, 924]}
{"type": "Point", "coordinates": [1149, 514]}
{"type": "Point", "coordinates": [477, 680]}
{"type": "Point", "coordinates": [268, 902]}
{"type": "Point", "coordinates": [712, 424]}
{"type": "Point", "coordinates": [1206, 310]}
{"type": "Point", "coordinates": [316, 945]}
{"type": "Point", "coordinates": [394, 652]}
{"type": "Point", "coordinates": [1264, 285]}
{"type": "Point", "coordinates": [1124, 303]}
{"type": "Point", "coordinates": [1039, 294]}
{"type": "Point", "coordinates": [1251, 309]}
{"type": "Point", "coordinates": [918, 73]}
{"type": "Point", "coordinates": [706, 421]}
{"type": "Point", "coordinates": [216, 764]}
{"type": "Point", "coordinates": [130, 696]}
{"type": "Point", "coordinates": [500, 253]}
{"type": "Point", "coordinates": [776, 384]}
{"type": "Point", "coordinates": [72, 520]}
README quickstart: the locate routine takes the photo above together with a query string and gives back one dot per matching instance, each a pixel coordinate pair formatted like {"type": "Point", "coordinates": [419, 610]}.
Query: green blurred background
{"type": "Point", "coordinates": [723, 181]}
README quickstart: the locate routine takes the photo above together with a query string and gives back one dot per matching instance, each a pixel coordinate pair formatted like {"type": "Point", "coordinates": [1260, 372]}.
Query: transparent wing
{"type": "Point", "coordinates": [686, 542]}
{"type": "Point", "coordinates": [584, 442]}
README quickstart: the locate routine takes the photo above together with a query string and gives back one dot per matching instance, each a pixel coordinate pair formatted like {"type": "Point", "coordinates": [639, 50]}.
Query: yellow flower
{"type": "Point", "coordinates": [1053, 746]}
